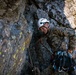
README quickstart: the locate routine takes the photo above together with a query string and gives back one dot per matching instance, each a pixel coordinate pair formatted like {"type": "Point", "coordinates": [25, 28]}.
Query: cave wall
{"type": "Point", "coordinates": [18, 31]}
{"type": "Point", "coordinates": [15, 36]}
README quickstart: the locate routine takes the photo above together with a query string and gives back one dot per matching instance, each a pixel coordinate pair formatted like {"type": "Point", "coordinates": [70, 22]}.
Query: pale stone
{"type": "Point", "coordinates": [71, 21]}
{"type": "Point", "coordinates": [70, 12]}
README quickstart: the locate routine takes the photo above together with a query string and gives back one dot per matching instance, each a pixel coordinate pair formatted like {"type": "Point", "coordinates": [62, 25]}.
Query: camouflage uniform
{"type": "Point", "coordinates": [55, 38]}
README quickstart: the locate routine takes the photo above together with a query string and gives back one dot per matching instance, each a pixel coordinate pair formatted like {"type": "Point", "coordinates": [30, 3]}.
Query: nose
{"type": "Point", "coordinates": [44, 30]}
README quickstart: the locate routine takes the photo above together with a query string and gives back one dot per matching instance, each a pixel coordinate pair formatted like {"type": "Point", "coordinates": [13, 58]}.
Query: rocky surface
{"type": "Point", "coordinates": [18, 32]}
{"type": "Point", "coordinates": [15, 36]}
{"type": "Point", "coordinates": [70, 12]}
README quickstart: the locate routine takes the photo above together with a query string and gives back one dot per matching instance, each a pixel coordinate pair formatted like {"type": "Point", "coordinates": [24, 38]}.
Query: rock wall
{"type": "Point", "coordinates": [18, 31]}
{"type": "Point", "coordinates": [15, 36]}
{"type": "Point", "coordinates": [70, 12]}
{"type": "Point", "coordinates": [59, 13]}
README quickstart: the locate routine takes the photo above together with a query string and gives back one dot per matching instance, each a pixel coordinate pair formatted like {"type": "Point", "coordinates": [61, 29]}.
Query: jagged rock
{"type": "Point", "coordinates": [41, 13]}
{"type": "Point", "coordinates": [70, 12]}
{"type": "Point", "coordinates": [15, 36]}
{"type": "Point", "coordinates": [18, 31]}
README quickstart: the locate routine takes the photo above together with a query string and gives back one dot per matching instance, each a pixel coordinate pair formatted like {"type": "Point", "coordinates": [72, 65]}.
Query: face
{"type": "Point", "coordinates": [45, 28]}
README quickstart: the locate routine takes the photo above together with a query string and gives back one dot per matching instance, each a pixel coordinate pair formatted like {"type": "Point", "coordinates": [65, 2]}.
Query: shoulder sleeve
{"type": "Point", "coordinates": [63, 31]}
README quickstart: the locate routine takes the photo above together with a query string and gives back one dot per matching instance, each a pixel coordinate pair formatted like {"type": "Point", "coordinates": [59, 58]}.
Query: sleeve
{"type": "Point", "coordinates": [72, 42]}
{"type": "Point", "coordinates": [63, 31]}
{"type": "Point", "coordinates": [68, 32]}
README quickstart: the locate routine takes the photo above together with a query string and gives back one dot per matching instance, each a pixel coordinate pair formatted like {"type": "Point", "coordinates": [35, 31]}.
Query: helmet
{"type": "Point", "coordinates": [42, 21]}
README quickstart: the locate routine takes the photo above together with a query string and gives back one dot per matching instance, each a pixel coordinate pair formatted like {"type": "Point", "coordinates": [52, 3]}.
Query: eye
{"type": "Point", "coordinates": [41, 23]}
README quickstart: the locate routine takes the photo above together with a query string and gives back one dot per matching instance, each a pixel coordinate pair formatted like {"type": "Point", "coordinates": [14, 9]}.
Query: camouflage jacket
{"type": "Point", "coordinates": [56, 38]}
